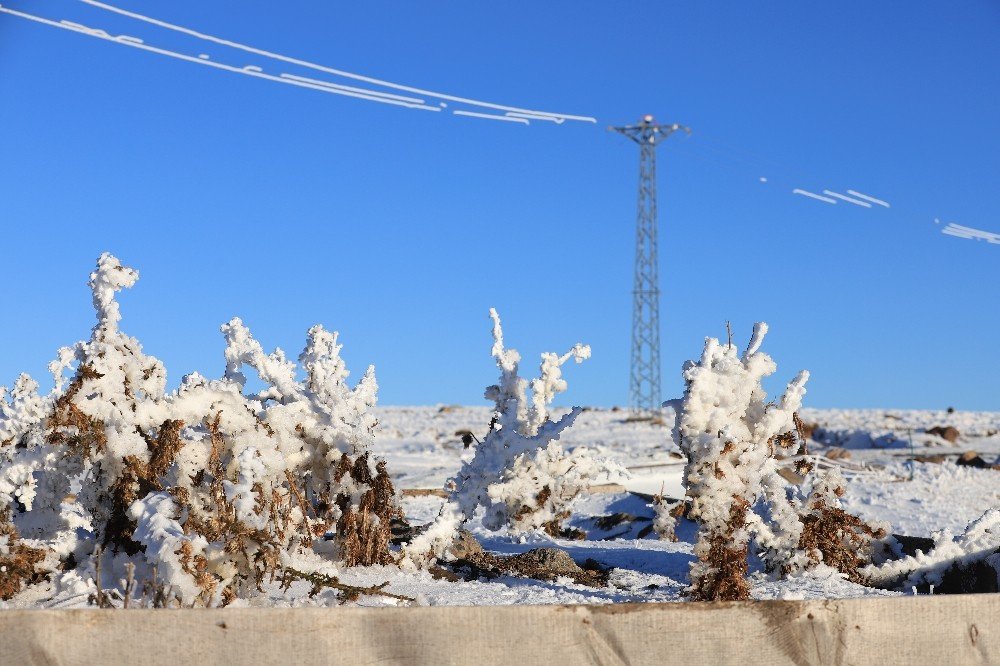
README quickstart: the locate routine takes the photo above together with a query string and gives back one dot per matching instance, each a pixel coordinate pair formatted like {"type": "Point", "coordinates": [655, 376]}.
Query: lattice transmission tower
{"type": "Point", "coordinates": [644, 380]}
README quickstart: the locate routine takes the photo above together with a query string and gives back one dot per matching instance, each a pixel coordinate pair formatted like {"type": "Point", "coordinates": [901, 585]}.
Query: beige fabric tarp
{"type": "Point", "coordinates": [948, 630]}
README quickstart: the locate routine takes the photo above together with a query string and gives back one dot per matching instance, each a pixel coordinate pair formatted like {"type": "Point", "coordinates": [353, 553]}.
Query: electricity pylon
{"type": "Point", "coordinates": [644, 382]}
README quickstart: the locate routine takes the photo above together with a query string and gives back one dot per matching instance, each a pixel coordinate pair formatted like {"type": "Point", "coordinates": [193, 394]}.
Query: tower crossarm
{"type": "Point", "coordinates": [648, 131]}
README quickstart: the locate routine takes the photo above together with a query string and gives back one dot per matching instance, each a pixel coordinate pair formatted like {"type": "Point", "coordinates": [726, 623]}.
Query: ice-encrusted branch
{"type": "Point", "coordinates": [109, 278]}
{"type": "Point", "coordinates": [520, 475]}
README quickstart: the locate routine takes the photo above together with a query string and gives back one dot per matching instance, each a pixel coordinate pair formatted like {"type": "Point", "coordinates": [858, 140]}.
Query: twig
{"type": "Point", "coordinates": [129, 582]}
{"type": "Point", "coordinates": [101, 598]}
{"type": "Point", "coordinates": [319, 581]}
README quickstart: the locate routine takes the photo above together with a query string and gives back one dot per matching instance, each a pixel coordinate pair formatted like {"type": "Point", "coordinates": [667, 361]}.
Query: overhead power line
{"type": "Point", "coordinates": [512, 114]}
{"type": "Point", "coordinates": [125, 40]}
{"type": "Point", "coordinates": [724, 155]}
{"type": "Point", "coordinates": [336, 72]}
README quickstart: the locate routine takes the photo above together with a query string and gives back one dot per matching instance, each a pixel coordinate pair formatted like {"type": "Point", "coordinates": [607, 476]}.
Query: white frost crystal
{"type": "Point", "coordinates": [727, 429]}
{"type": "Point", "coordinates": [520, 474]}
{"type": "Point", "coordinates": [216, 486]}
{"type": "Point", "coordinates": [979, 542]}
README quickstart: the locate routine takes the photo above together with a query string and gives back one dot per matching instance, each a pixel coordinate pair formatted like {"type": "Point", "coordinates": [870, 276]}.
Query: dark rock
{"type": "Point", "coordinates": [976, 576]}
{"type": "Point", "coordinates": [552, 562]}
{"type": "Point", "coordinates": [546, 564]}
{"type": "Point", "coordinates": [440, 573]}
{"type": "Point", "coordinates": [971, 459]}
{"type": "Point", "coordinates": [401, 531]}
{"type": "Point", "coordinates": [935, 459]}
{"type": "Point", "coordinates": [613, 520]}
{"type": "Point", "coordinates": [465, 546]}
{"type": "Point", "coordinates": [949, 433]}
{"type": "Point", "coordinates": [838, 453]}
{"type": "Point", "coordinates": [910, 545]}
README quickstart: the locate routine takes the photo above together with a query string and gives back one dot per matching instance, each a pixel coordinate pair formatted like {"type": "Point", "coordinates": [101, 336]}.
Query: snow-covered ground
{"type": "Point", "coordinates": [423, 447]}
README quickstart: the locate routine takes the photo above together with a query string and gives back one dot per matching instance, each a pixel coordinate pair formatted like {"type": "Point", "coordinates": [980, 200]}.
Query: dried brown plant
{"type": "Point", "coordinates": [18, 564]}
{"type": "Point", "coordinates": [363, 531]}
{"type": "Point", "coordinates": [726, 577]}
{"type": "Point", "coordinates": [835, 537]}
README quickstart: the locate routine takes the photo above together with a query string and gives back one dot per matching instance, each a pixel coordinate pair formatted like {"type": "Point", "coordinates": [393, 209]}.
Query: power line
{"type": "Point", "coordinates": [125, 40]}
{"type": "Point", "coordinates": [338, 72]}
{"type": "Point", "coordinates": [511, 114]}
{"type": "Point", "coordinates": [735, 160]}
{"type": "Point", "coordinates": [515, 115]}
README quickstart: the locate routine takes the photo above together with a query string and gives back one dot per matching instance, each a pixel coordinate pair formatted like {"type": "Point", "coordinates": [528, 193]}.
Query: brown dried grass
{"type": "Point", "coordinates": [726, 576]}
{"type": "Point", "coordinates": [17, 567]}
{"type": "Point", "coordinates": [836, 538]}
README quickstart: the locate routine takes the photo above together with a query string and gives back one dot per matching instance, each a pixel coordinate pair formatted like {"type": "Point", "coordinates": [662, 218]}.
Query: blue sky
{"type": "Point", "coordinates": [400, 228]}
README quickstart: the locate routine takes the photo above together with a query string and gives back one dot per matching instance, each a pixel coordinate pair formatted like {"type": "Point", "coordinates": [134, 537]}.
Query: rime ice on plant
{"type": "Point", "coordinates": [977, 547]}
{"type": "Point", "coordinates": [728, 431]}
{"type": "Point", "coordinates": [731, 434]}
{"type": "Point", "coordinates": [832, 536]}
{"type": "Point", "coordinates": [520, 475]}
{"type": "Point", "coordinates": [215, 488]}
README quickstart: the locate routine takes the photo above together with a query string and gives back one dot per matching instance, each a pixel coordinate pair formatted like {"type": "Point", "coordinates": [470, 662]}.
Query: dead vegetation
{"type": "Point", "coordinates": [725, 579]}
{"type": "Point", "coordinates": [835, 537]}
{"type": "Point", "coordinates": [827, 534]}
{"type": "Point", "coordinates": [18, 561]}
{"type": "Point", "coordinates": [364, 533]}
{"type": "Point", "coordinates": [547, 564]}
{"type": "Point", "coordinates": [345, 592]}
{"type": "Point", "coordinates": [219, 488]}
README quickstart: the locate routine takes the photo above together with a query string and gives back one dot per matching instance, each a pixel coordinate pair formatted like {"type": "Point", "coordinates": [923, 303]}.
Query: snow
{"type": "Point", "coordinates": [520, 474]}
{"type": "Point", "coordinates": [423, 450]}
{"type": "Point", "coordinates": [422, 444]}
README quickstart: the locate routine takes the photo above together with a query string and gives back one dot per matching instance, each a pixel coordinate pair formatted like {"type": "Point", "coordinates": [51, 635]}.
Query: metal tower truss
{"type": "Point", "coordinates": [644, 382]}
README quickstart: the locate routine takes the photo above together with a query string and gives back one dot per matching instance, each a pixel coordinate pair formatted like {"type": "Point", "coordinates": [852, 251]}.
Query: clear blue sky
{"type": "Point", "coordinates": [400, 228]}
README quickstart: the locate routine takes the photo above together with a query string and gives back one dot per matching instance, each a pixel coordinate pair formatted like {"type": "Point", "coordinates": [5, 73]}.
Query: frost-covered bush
{"type": "Point", "coordinates": [520, 474]}
{"type": "Point", "coordinates": [665, 514]}
{"type": "Point", "coordinates": [728, 431]}
{"type": "Point", "coordinates": [832, 536]}
{"type": "Point", "coordinates": [731, 434]}
{"type": "Point", "coordinates": [949, 561]}
{"type": "Point", "coordinates": [216, 488]}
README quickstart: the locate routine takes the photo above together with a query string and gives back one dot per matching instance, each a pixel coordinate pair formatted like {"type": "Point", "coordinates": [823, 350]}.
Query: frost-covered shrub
{"type": "Point", "coordinates": [520, 475]}
{"type": "Point", "coordinates": [949, 562]}
{"type": "Point", "coordinates": [731, 435]}
{"type": "Point", "coordinates": [832, 536]}
{"type": "Point", "coordinates": [216, 488]}
{"type": "Point", "coordinates": [665, 513]}
{"type": "Point", "coordinates": [729, 431]}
